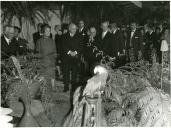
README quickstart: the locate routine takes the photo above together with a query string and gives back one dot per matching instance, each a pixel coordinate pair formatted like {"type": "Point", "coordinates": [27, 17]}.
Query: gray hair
{"type": "Point", "coordinates": [72, 25]}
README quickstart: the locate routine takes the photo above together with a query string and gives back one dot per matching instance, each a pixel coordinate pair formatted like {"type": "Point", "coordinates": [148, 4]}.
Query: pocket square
{"type": "Point", "coordinates": [136, 37]}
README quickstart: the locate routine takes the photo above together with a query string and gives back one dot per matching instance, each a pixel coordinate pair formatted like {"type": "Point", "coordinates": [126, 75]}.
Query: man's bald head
{"type": "Point", "coordinates": [9, 31]}
{"type": "Point", "coordinates": [72, 28]}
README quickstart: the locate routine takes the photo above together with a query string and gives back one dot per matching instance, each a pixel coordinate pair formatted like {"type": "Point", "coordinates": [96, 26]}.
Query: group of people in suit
{"type": "Point", "coordinates": [121, 46]}
{"type": "Point", "coordinates": [152, 38]}
{"type": "Point", "coordinates": [74, 46]}
{"type": "Point", "coordinates": [77, 53]}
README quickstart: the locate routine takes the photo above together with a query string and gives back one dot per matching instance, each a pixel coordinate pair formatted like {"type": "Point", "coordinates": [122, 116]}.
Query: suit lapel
{"type": "Point", "coordinates": [105, 36]}
{"type": "Point", "coordinates": [5, 42]}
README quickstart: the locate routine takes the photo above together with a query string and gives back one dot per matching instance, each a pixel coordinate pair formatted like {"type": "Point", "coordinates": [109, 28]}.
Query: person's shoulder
{"type": "Point", "coordinates": [35, 33]}
{"type": "Point", "coordinates": [138, 32]}
{"type": "Point", "coordinates": [40, 40]}
{"type": "Point", "coordinates": [119, 31]}
{"type": "Point", "coordinates": [24, 40]}
{"type": "Point", "coordinates": [65, 34]}
{"type": "Point", "coordinates": [2, 37]}
{"type": "Point", "coordinates": [109, 34]}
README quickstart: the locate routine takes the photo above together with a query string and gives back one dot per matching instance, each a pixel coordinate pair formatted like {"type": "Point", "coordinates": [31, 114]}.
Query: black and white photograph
{"type": "Point", "coordinates": [85, 64]}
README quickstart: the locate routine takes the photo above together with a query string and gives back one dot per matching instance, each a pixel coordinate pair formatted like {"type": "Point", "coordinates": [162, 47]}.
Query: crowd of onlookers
{"type": "Point", "coordinates": [77, 48]}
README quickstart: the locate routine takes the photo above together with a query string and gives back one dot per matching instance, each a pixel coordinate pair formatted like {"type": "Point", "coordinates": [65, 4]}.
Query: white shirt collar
{"type": "Point", "coordinates": [151, 32]}
{"type": "Point", "coordinates": [71, 34]}
{"type": "Point", "coordinates": [7, 40]}
{"type": "Point", "coordinates": [17, 38]}
{"type": "Point", "coordinates": [133, 30]}
{"type": "Point", "coordinates": [115, 31]}
{"type": "Point", "coordinates": [104, 33]}
{"type": "Point", "coordinates": [81, 29]}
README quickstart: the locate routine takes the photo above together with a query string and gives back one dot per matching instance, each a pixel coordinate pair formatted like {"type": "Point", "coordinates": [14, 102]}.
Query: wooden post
{"type": "Point", "coordinates": [93, 116]}
{"type": "Point", "coordinates": [164, 48]}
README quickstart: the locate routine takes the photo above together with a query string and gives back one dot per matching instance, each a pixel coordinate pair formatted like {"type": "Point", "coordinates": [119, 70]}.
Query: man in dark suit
{"type": "Point", "coordinates": [58, 39]}
{"type": "Point", "coordinates": [9, 47]}
{"type": "Point", "coordinates": [145, 42]}
{"type": "Point", "coordinates": [71, 52]}
{"type": "Point", "coordinates": [105, 41]}
{"type": "Point", "coordinates": [90, 57]}
{"type": "Point", "coordinates": [81, 28]}
{"type": "Point", "coordinates": [37, 35]}
{"type": "Point", "coordinates": [134, 43]}
{"type": "Point", "coordinates": [59, 48]}
{"type": "Point", "coordinates": [158, 44]}
{"type": "Point", "coordinates": [83, 34]}
{"type": "Point", "coordinates": [151, 42]}
{"type": "Point", "coordinates": [22, 43]}
{"type": "Point", "coordinates": [118, 44]}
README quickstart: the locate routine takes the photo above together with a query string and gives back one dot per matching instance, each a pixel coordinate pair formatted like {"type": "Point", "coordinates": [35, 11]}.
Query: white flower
{"type": "Point", "coordinates": [5, 118]}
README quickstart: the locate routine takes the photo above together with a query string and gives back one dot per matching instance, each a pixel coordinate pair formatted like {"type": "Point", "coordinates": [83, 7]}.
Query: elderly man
{"type": "Point", "coordinates": [9, 47]}
{"type": "Point", "coordinates": [71, 51]}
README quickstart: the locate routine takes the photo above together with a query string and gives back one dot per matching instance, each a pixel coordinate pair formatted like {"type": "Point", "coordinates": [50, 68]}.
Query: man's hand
{"type": "Point", "coordinates": [73, 54]}
{"type": "Point", "coordinates": [112, 58]}
{"type": "Point", "coordinates": [139, 55]}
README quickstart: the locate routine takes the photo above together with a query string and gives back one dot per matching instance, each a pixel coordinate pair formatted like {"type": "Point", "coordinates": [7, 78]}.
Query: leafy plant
{"type": "Point", "coordinates": [27, 10]}
{"type": "Point", "coordinates": [130, 99]}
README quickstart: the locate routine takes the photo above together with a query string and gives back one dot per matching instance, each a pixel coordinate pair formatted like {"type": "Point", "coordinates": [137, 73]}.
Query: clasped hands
{"type": "Point", "coordinates": [71, 53]}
